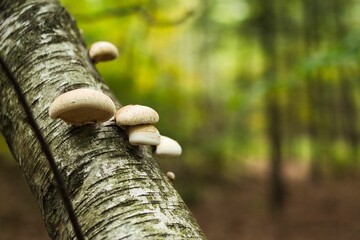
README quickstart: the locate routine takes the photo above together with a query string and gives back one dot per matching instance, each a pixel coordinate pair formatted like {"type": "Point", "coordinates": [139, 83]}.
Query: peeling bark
{"type": "Point", "coordinates": [117, 190]}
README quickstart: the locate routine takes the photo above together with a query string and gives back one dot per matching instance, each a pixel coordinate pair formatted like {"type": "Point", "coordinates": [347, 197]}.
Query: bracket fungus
{"type": "Point", "coordinates": [139, 120]}
{"type": "Point", "coordinates": [168, 147]}
{"type": "Point", "coordinates": [131, 115]}
{"type": "Point", "coordinates": [103, 51]}
{"type": "Point", "coordinates": [82, 106]}
{"type": "Point", "coordinates": [170, 176]}
{"type": "Point", "coordinates": [145, 134]}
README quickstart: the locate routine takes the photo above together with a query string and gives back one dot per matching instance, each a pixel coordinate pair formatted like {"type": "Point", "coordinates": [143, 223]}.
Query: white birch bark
{"type": "Point", "coordinates": [117, 190]}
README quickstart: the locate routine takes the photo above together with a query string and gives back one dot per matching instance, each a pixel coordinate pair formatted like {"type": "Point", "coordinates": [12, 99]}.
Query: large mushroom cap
{"type": "Point", "coordinates": [103, 51]}
{"type": "Point", "coordinates": [144, 135]}
{"type": "Point", "coordinates": [82, 106]}
{"type": "Point", "coordinates": [168, 147]}
{"type": "Point", "coordinates": [136, 114]}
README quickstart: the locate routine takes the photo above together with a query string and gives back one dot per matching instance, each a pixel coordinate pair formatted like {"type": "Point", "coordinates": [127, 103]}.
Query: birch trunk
{"type": "Point", "coordinates": [117, 191]}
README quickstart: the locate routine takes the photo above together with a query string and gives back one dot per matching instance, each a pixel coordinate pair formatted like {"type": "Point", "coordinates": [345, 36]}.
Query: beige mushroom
{"type": "Point", "coordinates": [139, 120]}
{"type": "Point", "coordinates": [103, 51]}
{"type": "Point", "coordinates": [168, 147]}
{"type": "Point", "coordinates": [82, 106]}
{"type": "Point", "coordinates": [131, 115]}
{"type": "Point", "coordinates": [170, 176]}
{"type": "Point", "coordinates": [145, 134]}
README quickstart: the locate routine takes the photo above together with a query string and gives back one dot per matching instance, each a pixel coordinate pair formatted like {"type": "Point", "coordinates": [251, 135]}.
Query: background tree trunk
{"type": "Point", "coordinates": [117, 190]}
{"type": "Point", "coordinates": [314, 84]}
{"type": "Point", "coordinates": [268, 35]}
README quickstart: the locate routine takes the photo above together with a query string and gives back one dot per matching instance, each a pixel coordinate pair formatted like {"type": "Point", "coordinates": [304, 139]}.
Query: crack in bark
{"type": "Point", "coordinates": [46, 150]}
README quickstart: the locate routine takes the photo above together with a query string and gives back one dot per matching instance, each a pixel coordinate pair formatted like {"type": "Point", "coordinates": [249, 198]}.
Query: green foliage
{"type": "Point", "coordinates": [203, 66]}
{"type": "Point", "coordinates": [5, 154]}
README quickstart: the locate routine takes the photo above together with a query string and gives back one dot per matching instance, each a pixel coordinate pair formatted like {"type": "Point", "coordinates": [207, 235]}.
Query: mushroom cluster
{"type": "Point", "coordinates": [139, 122]}
{"type": "Point", "coordinates": [88, 106]}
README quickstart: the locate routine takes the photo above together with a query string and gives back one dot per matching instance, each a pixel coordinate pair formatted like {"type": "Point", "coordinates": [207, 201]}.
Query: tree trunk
{"type": "Point", "coordinates": [348, 109]}
{"type": "Point", "coordinates": [314, 85]}
{"type": "Point", "coordinates": [268, 35]}
{"type": "Point", "coordinates": [116, 190]}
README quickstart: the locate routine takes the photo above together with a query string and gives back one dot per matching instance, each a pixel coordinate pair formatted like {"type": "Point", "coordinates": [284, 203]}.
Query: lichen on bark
{"type": "Point", "coordinates": [117, 190]}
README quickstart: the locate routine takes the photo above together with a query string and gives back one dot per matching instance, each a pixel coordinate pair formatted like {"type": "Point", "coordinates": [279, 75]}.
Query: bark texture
{"type": "Point", "coordinates": [117, 190]}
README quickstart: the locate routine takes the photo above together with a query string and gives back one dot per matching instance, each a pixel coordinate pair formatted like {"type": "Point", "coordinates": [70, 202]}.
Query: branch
{"type": "Point", "coordinates": [108, 13]}
{"type": "Point", "coordinates": [89, 182]}
{"type": "Point", "coordinates": [144, 13]}
{"type": "Point", "coordinates": [152, 20]}
{"type": "Point", "coordinates": [46, 150]}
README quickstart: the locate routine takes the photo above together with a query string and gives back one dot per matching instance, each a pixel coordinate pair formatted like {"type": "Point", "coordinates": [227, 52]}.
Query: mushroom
{"type": "Point", "coordinates": [168, 147]}
{"type": "Point", "coordinates": [139, 120]}
{"type": "Point", "coordinates": [131, 115]}
{"type": "Point", "coordinates": [103, 51]}
{"type": "Point", "coordinates": [145, 134]}
{"type": "Point", "coordinates": [82, 106]}
{"type": "Point", "coordinates": [170, 176]}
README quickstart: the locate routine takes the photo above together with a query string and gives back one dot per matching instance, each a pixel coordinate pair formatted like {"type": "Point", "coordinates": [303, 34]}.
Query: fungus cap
{"type": "Point", "coordinates": [82, 106]}
{"type": "Point", "coordinates": [131, 115]}
{"type": "Point", "coordinates": [168, 147]}
{"type": "Point", "coordinates": [171, 176]}
{"type": "Point", "coordinates": [145, 134]}
{"type": "Point", "coordinates": [103, 51]}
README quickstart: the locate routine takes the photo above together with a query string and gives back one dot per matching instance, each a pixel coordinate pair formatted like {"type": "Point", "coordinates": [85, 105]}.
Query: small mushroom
{"type": "Point", "coordinates": [139, 119]}
{"type": "Point", "coordinates": [145, 134]}
{"type": "Point", "coordinates": [170, 176]}
{"type": "Point", "coordinates": [131, 115]}
{"type": "Point", "coordinates": [168, 147]}
{"type": "Point", "coordinates": [103, 51]}
{"type": "Point", "coordinates": [82, 106]}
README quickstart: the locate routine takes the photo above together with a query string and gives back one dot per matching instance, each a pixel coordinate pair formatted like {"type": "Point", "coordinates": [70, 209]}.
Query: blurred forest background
{"type": "Point", "coordinates": [263, 96]}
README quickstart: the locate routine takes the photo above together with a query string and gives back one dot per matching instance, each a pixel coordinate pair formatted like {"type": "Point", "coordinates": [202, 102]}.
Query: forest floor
{"type": "Point", "coordinates": [327, 210]}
